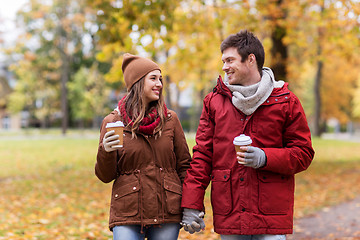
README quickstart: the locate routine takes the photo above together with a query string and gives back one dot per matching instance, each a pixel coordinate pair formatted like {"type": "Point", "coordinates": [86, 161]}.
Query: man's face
{"type": "Point", "coordinates": [239, 73]}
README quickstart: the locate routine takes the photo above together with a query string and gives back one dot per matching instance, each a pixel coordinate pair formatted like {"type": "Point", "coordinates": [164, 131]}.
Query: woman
{"type": "Point", "coordinates": [150, 167]}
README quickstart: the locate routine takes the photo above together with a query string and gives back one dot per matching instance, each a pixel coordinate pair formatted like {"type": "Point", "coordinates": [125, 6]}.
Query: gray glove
{"type": "Point", "coordinates": [192, 220]}
{"type": "Point", "coordinates": [255, 157]}
{"type": "Point", "coordinates": [110, 141]}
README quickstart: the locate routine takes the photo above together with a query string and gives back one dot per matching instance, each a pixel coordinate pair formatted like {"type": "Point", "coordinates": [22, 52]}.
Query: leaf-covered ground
{"type": "Point", "coordinates": [48, 189]}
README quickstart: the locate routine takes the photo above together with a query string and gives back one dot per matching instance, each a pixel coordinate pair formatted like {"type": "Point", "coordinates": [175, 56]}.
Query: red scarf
{"type": "Point", "coordinates": [148, 124]}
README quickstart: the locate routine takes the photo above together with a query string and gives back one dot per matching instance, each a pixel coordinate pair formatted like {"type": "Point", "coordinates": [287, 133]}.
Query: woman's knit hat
{"type": "Point", "coordinates": [135, 67]}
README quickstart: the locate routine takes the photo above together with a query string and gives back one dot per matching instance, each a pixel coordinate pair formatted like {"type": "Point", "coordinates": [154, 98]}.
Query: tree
{"type": "Point", "coordinates": [132, 26]}
{"type": "Point", "coordinates": [88, 95]}
{"type": "Point", "coordinates": [328, 33]}
{"type": "Point", "coordinates": [57, 31]}
{"type": "Point", "coordinates": [138, 27]}
{"type": "Point", "coordinates": [275, 15]}
{"type": "Point", "coordinates": [300, 38]}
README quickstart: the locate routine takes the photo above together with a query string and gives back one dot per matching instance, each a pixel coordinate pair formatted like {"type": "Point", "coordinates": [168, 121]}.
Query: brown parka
{"type": "Point", "coordinates": [148, 174]}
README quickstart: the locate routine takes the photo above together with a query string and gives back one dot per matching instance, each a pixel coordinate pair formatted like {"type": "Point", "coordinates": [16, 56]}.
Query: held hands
{"type": "Point", "coordinates": [253, 157]}
{"type": "Point", "coordinates": [110, 141]}
{"type": "Point", "coordinates": [192, 220]}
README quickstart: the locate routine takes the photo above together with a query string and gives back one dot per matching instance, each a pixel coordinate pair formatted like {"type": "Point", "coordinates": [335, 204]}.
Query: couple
{"type": "Point", "coordinates": [157, 184]}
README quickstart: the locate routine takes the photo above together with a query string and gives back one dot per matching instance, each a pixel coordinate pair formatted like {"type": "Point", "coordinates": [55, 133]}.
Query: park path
{"type": "Point", "coordinates": [338, 222]}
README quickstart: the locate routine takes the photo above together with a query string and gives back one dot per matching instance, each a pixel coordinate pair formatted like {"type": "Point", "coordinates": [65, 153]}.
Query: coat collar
{"type": "Point", "coordinates": [222, 89]}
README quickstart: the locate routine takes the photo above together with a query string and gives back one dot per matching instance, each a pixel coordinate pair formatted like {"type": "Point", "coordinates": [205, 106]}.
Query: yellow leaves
{"type": "Point", "coordinates": [339, 79]}
{"type": "Point", "coordinates": [29, 56]}
{"type": "Point", "coordinates": [55, 211]}
{"type": "Point", "coordinates": [108, 51]}
{"type": "Point", "coordinates": [78, 18]}
{"type": "Point", "coordinates": [46, 200]}
{"type": "Point", "coordinates": [317, 192]}
{"type": "Point", "coordinates": [59, 218]}
{"type": "Point", "coordinates": [66, 24]}
{"type": "Point", "coordinates": [38, 14]}
{"type": "Point", "coordinates": [43, 221]}
{"type": "Point", "coordinates": [115, 74]}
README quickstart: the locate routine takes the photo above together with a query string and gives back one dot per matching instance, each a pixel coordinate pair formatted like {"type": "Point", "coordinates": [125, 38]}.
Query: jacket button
{"type": "Point", "coordinates": [134, 188]}
{"type": "Point", "coordinates": [264, 177]}
{"type": "Point", "coordinates": [243, 209]}
{"type": "Point", "coordinates": [242, 179]}
{"type": "Point", "coordinates": [116, 195]}
{"type": "Point", "coordinates": [225, 177]}
{"type": "Point", "coordinates": [155, 220]}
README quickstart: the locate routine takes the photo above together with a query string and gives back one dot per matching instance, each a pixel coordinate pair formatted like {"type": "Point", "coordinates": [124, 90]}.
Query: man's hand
{"type": "Point", "coordinates": [192, 220]}
{"type": "Point", "coordinates": [253, 157]}
{"type": "Point", "coordinates": [110, 141]}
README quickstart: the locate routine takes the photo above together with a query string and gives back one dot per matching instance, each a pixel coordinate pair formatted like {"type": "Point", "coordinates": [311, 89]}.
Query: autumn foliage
{"type": "Point", "coordinates": [312, 44]}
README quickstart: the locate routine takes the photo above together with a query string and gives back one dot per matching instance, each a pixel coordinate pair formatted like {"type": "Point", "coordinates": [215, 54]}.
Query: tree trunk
{"type": "Point", "coordinates": [64, 100]}
{"type": "Point", "coordinates": [317, 84]}
{"type": "Point", "coordinates": [66, 63]}
{"type": "Point", "coordinates": [279, 53]}
{"type": "Point", "coordinates": [279, 50]}
{"type": "Point", "coordinates": [168, 93]}
{"type": "Point", "coordinates": [317, 95]}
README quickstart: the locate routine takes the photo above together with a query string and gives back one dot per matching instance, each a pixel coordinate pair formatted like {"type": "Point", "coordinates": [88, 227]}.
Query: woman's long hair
{"type": "Point", "coordinates": [135, 108]}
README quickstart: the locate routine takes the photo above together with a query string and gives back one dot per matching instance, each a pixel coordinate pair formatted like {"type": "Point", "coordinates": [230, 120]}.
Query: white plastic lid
{"type": "Point", "coordinates": [242, 140]}
{"type": "Point", "coordinates": [115, 124]}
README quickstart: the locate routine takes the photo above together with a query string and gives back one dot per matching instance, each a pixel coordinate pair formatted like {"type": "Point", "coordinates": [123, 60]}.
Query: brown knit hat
{"type": "Point", "coordinates": [135, 67]}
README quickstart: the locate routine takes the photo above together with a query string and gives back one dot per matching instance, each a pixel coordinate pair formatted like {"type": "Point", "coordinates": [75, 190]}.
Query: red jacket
{"type": "Point", "coordinates": [247, 201]}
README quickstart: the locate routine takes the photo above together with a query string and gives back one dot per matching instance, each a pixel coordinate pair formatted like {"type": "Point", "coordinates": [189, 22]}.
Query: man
{"type": "Point", "coordinates": [252, 192]}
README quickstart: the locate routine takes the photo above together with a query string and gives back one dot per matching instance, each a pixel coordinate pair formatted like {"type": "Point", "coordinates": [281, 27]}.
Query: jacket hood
{"type": "Point", "coordinates": [222, 88]}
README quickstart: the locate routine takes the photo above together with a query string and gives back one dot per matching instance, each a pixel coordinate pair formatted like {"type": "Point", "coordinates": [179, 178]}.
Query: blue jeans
{"type": "Point", "coordinates": [253, 237]}
{"type": "Point", "coordinates": [167, 231]}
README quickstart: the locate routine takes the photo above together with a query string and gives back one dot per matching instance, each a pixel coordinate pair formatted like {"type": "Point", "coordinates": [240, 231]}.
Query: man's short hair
{"type": "Point", "coordinates": [246, 43]}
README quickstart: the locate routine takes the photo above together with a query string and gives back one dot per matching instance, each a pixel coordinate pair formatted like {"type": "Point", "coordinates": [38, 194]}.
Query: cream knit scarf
{"type": "Point", "coordinates": [248, 98]}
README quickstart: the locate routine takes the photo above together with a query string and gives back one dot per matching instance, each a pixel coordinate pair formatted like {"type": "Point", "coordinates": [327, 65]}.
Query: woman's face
{"type": "Point", "coordinates": [152, 86]}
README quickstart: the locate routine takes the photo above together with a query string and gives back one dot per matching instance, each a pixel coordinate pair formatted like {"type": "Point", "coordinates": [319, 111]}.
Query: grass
{"type": "Point", "coordinates": [48, 189]}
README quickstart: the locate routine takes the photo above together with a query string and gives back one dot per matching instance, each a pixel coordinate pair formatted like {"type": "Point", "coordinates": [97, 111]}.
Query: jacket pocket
{"type": "Point", "coordinates": [276, 193]}
{"type": "Point", "coordinates": [221, 199]}
{"type": "Point", "coordinates": [173, 193]}
{"type": "Point", "coordinates": [125, 199]}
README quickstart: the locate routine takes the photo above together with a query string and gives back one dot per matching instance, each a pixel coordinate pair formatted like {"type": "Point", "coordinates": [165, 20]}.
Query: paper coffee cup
{"type": "Point", "coordinates": [241, 141]}
{"type": "Point", "coordinates": [118, 127]}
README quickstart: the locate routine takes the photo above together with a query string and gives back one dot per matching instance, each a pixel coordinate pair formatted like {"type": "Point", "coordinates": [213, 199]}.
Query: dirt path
{"type": "Point", "coordinates": [338, 222]}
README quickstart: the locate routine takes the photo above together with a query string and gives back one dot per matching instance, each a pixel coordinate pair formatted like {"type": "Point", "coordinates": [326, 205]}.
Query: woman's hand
{"type": "Point", "coordinates": [110, 141]}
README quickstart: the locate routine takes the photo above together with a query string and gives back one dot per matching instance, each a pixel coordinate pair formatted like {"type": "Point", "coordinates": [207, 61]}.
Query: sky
{"type": "Point", "coordinates": [8, 9]}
